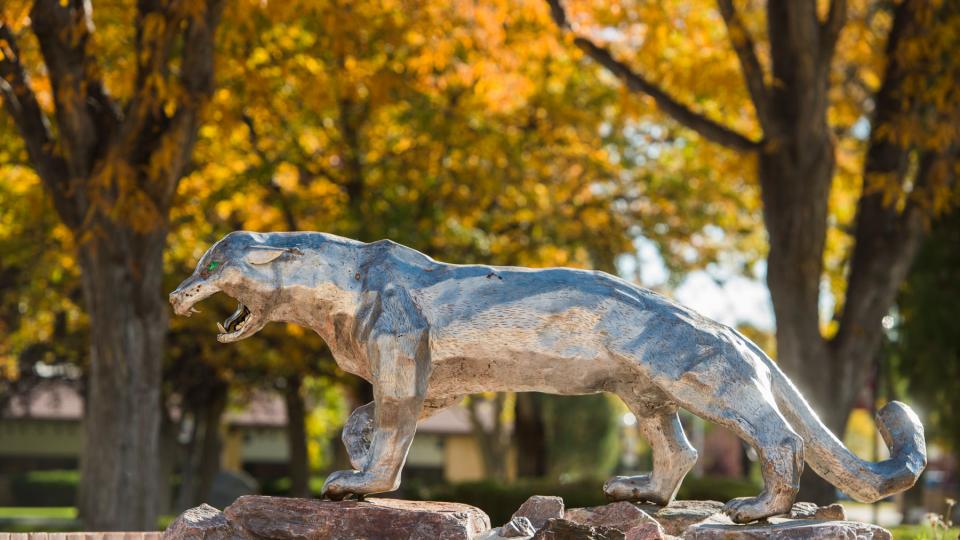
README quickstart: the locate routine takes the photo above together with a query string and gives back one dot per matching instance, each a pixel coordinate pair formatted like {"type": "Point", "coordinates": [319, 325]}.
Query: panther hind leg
{"type": "Point", "coordinates": [743, 405]}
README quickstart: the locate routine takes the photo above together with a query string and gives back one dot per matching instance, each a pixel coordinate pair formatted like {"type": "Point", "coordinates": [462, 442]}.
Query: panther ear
{"type": "Point", "coordinates": [264, 254]}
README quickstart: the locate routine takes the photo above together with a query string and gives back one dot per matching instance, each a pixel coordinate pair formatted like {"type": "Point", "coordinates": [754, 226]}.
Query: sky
{"type": "Point", "coordinates": [721, 294]}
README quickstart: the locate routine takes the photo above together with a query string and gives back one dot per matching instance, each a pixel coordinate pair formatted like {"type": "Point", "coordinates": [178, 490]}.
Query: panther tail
{"type": "Point", "coordinates": [865, 481]}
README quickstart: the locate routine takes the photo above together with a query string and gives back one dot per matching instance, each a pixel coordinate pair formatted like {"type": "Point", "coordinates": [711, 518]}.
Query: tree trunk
{"type": "Point", "coordinates": [797, 233]}
{"type": "Point", "coordinates": [297, 437]}
{"type": "Point", "coordinates": [494, 443]}
{"type": "Point", "coordinates": [168, 462]}
{"type": "Point", "coordinates": [128, 321]}
{"type": "Point", "coordinates": [211, 444]}
{"type": "Point", "coordinates": [111, 171]}
{"type": "Point", "coordinates": [530, 436]}
{"type": "Point", "coordinates": [200, 458]}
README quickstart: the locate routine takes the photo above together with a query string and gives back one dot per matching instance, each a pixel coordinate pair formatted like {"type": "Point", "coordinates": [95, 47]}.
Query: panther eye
{"type": "Point", "coordinates": [210, 268]}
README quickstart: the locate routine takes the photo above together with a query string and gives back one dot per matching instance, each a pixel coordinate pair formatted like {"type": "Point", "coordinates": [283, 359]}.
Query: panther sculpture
{"type": "Point", "coordinates": [425, 334]}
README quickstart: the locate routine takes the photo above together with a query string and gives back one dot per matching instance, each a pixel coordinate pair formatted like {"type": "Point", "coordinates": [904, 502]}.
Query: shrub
{"type": "Point", "coordinates": [717, 488]}
{"type": "Point", "coordinates": [280, 486]}
{"type": "Point", "coordinates": [500, 501]}
{"type": "Point", "coordinates": [45, 488]}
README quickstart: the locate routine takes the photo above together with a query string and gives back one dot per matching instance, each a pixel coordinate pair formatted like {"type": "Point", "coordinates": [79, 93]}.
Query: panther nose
{"type": "Point", "coordinates": [177, 302]}
{"type": "Point", "coordinates": [180, 297]}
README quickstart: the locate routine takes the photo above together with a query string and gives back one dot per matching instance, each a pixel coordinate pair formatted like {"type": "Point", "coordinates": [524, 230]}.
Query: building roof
{"type": "Point", "coordinates": [452, 421]}
{"type": "Point", "coordinates": [48, 400]}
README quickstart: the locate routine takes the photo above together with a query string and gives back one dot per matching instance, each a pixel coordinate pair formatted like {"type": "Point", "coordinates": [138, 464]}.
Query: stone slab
{"type": "Point", "coordinates": [677, 516]}
{"type": "Point", "coordinates": [788, 529]}
{"type": "Point", "coordinates": [808, 510]}
{"type": "Point", "coordinates": [254, 517]}
{"type": "Point", "coordinates": [623, 516]}
{"type": "Point", "coordinates": [303, 519]}
{"type": "Point", "coordinates": [562, 529]}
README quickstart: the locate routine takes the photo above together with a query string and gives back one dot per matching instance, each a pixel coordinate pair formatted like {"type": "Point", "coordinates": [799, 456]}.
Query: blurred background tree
{"type": "Point", "coordinates": [861, 92]}
{"type": "Point", "coordinates": [109, 157]}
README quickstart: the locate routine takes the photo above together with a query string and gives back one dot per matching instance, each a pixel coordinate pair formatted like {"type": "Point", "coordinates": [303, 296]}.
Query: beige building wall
{"type": "Point", "coordinates": [463, 462]}
{"type": "Point", "coordinates": [426, 451]}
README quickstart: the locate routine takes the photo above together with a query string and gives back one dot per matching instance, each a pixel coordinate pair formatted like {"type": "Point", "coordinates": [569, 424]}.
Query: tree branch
{"type": "Point", "coordinates": [20, 100]}
{"type": "Point", "coordinates": [151, 133]}
{"type": "Point", "coordinates": [196, 78]}
{"type": "Point", "coordinates": [707, 128]}
{"type": "Point", "coordinates": [830, 28]}
{"type": "Point", "coordinates": [268, 180]}
{"type": "Point", "coordinates": [85, 114]}
{"type": "Point", "coordinates": [746, 53]}
{"type": "Point", "coordinates": [21, 103]}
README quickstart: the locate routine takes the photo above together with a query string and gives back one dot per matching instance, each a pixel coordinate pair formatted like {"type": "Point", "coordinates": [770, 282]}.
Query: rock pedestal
{"type": "Point", "coordinates": [540, 518]}
{"type": "Point", "coordinates": [256, 517]}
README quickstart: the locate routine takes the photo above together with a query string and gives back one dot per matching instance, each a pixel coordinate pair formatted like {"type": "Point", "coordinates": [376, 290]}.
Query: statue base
{"type": "Point", "coordinates": [255, 517]}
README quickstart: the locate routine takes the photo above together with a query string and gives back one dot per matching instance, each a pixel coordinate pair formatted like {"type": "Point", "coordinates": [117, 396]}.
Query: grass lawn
{"type": "Point", "coordinates": [923, 532]}
{"type": "Point", "coordinates": [42, 512]}
{"type": "Point", "coordinates": [38, 518]}
{"type": "Point", "coordinates": [49, 519]}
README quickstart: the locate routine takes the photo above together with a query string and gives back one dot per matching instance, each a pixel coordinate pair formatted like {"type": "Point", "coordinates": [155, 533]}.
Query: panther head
{"type": "Point", "coordinates": [246, 266]}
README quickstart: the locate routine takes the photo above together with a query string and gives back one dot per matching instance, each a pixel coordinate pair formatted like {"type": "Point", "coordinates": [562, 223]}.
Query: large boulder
{"type": "Point", "coordinates": [254, 517]}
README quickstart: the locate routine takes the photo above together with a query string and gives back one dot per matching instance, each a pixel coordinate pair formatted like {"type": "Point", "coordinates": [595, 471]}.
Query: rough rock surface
{"type": "Point", "coordinates": [623, 516]}
{"type": "Point", "coordinates": [255, 517]}
{"type": "Point", "coordinates": [678, 515]}
{"type": "Point", "coordinates": [539, 508]}
{"type": "Point", "coordinates": [647, 531]}
{"type": "Point", "coordinates": [201, 523]}
{"type": "Point", "coordinates": [518, 527]}
{"type": "Point", "coordinates": [259, 518]}
{"type": "Point", "coordinates": [808, 510]}
{"type": "Point", "coordinates": [562, 529]}
{"type": "Point", "coordinates": [788, 529]}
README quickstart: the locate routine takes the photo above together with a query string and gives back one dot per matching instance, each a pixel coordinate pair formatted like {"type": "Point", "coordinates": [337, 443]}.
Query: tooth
{"type": "Point", "coordinates": [194, 310]}
{"type": "Point", "coordinates": [221, 328]}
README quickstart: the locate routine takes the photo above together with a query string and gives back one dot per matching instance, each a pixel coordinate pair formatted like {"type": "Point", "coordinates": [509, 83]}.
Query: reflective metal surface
{"type": "Point", "coordinates": [426, 333]}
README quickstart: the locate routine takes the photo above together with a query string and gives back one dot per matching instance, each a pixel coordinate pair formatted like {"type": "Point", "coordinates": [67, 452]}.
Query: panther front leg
{"type": "Point", "coordinates": [399, 361]}
{"type": "Point", "coordinates": [358, 431]}
{"type": "Point", "coordinates": [358, 434]}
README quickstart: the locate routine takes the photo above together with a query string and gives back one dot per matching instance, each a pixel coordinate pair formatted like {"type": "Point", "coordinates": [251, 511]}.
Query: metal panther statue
{"type": "Point", "coordinates": [426, 333]}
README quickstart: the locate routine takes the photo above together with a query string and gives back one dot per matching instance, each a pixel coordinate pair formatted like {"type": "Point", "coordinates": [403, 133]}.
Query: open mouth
{"type": "Point", "coordinates": [234, 326]}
